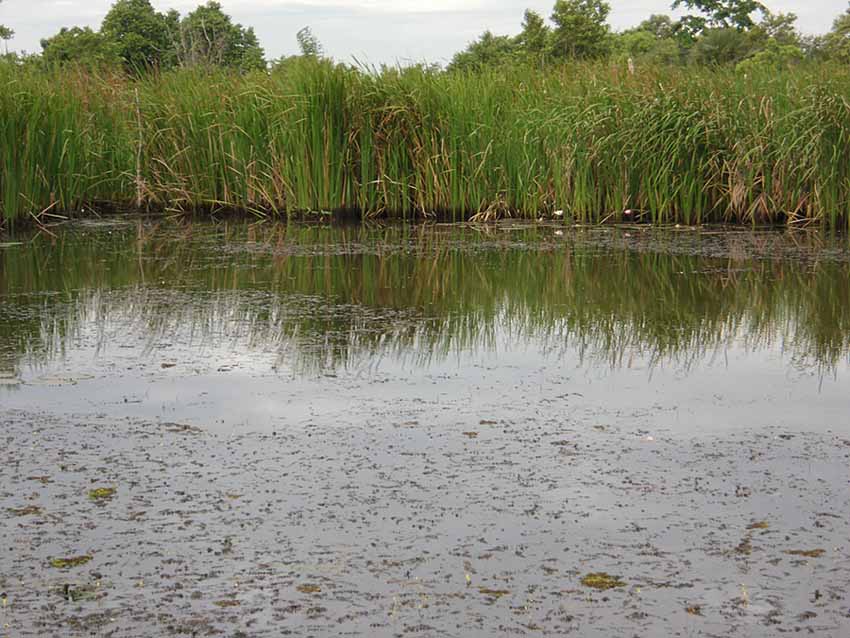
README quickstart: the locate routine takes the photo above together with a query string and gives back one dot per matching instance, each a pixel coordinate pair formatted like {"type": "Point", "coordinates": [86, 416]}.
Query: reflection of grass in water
{"type": "Point", "coordinates": [330, 297]}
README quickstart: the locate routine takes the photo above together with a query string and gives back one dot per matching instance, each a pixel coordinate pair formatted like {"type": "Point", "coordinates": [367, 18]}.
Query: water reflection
{"type": "Point", "coordinates": [321, 298]}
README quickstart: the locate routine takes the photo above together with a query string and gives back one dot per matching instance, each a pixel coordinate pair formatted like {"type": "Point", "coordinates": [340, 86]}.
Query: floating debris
{"type": "Point", "coordinates": [745, 547]}
{"type": "Point", "coordinates": [227, 603]}
{"type": "Point", "coordinates": [308, 588]}
{"type": "Point", "coordinates": [694, 610]}
{"type": "Point", "coordinates": [602, 581]}
{"type": "Point", "coordinates": [493, 593]}
{"type": "Point", "coordinates": [68, 563]}
{"type": "Point", "coordinates": [78, 593]}
{"type": "Point", "coordinates": [471, 435]}
{"type": "Point", "coordinates": [182, 428]}
{"type": "Point", "coordinates": [758, 525]}
{"type": "Point", "coordinates": [808, 553]}
{"type": "Point", "coordinates": [29, 510]}
{"type": "Point", "coordinates": [102, 493]}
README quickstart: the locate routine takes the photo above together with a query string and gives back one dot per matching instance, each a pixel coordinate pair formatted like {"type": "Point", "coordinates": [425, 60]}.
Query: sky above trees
{"type": "Point", "coordinates": [376, 31]}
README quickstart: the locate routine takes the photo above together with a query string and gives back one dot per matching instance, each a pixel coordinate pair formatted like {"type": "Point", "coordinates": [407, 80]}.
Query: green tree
{"type": "Point", "coordinates": [208, 37]}
{"type": "Point", "coordinates": [308, 43]}
{"type": "Point", "coordinates": [653, 40]}
{"type": "Point", "coordinates": [139, 34]}
{"type": "Point", "coordinates": [5, 32]}
{"type": "Point", "coordinates": [646, 46]}
{"type": "Point", "coordinates": [487, 51]}
{"type": "Point", "coordinates": [721, 46]}
{"type": "Point", "coordinates": [774, 56]}
{"type": "Point", "coordinates": [534, 37]}
{"type": "Point", "coordinates": [779, 27]}
{"type": "Point", "coordinates": [581, 30]}
{"type": "Point", "coordinates": [661, 26]}
{"type": "Point", "coordinates": [837, 42]}
{"type": "Point", "coordinates": [80, 45]}
{"type": "Point", "coordinates": [718, 15]}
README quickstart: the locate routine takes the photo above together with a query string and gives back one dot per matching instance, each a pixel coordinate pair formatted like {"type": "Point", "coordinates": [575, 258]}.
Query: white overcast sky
{"type": "Point", "coordinates": [374, 31]}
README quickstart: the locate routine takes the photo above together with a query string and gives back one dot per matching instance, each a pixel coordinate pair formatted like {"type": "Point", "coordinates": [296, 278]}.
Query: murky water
{"type": "Point", "coordinates": [432, 430]}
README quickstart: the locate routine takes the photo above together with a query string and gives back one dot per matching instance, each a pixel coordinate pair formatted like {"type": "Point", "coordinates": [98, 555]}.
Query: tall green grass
{"type": "Point", "coordinates": [673, 145]}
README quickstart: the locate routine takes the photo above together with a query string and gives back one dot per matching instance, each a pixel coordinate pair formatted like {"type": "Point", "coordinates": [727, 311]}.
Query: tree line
{"type": "Point", "coordinates": [714, 32]}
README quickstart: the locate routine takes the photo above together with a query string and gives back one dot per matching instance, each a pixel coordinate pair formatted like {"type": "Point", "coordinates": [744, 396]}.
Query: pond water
{"type": "Point", "coordinates": [663, 390]}
{"type": "Point", "coordinates": [233, 325]}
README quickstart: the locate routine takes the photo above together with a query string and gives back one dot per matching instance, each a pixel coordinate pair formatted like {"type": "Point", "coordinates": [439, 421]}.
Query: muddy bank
{"type": "Point", "coordinates": [393, 525]}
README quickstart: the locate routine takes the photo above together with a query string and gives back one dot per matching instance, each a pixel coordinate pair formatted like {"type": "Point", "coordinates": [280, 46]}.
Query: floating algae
{"type": "Point", "coordinates": [227, 603]}
{"type": "Point", "coordinates": [601, 580]}
{"type": "Point", "coordinates": [67, 563]}
{"type": "Point", "coordinates": [102, 493]}
{"type": "Point", "coordinates": [29, 510]}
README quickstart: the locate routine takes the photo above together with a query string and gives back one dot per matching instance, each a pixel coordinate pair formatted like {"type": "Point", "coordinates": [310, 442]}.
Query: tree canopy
{"type": "Point", "coordinates": [135, 34]}
{"type": "Point", "coordinates": [581, 29]}
{"type": "Point", "coordinates": [740, 33]}
{"type": "Point", "coordinates": [837, 41]}
{"type": "Point", "coordinates": [208, 36]}
{"type": "Point", "coordinates": [5, 32]}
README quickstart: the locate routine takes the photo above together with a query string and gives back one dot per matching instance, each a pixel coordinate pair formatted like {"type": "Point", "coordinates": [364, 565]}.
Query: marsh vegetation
{"type": "Point", "coordinates": [599, 126]}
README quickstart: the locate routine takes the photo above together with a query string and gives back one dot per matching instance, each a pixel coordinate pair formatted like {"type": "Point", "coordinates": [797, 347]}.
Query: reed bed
{"type": "Point", "coordinates": [664, 145]}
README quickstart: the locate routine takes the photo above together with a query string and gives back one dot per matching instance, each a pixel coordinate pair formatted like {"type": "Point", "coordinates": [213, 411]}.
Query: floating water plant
{"type": "Point", "coordinates": [102, 493]}
{"type": "Point", "coordinates": [602, 581]}
{"type": "Point", "coordinates": [68, 563]}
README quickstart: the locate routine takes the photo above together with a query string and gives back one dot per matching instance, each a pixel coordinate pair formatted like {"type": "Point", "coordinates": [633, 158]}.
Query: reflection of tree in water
{"type": "Point", "coordinates": [324, 297]}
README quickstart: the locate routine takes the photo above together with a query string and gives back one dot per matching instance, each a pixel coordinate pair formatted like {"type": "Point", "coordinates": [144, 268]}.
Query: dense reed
{"type": "Point", "coordinates": [673, 145]}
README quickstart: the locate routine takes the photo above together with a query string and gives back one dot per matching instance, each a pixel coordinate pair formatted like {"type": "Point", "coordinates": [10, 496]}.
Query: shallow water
{"type": "Point", "coordinates": [411, 418]}
{"type": "Point", "coordinates": [238, 326]}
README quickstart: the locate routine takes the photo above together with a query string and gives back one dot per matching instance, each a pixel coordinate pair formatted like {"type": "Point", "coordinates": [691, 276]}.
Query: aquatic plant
{"type": "Point", "coordinates": [601, 581]}
{"type": "Point", "coordinates": [662, 145]}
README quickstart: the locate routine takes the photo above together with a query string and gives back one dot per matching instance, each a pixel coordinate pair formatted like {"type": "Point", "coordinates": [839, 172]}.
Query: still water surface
{"type": "Point", "coordinates": [253, 326]}
{"type": "Point", "coordinates": [261, 430]}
